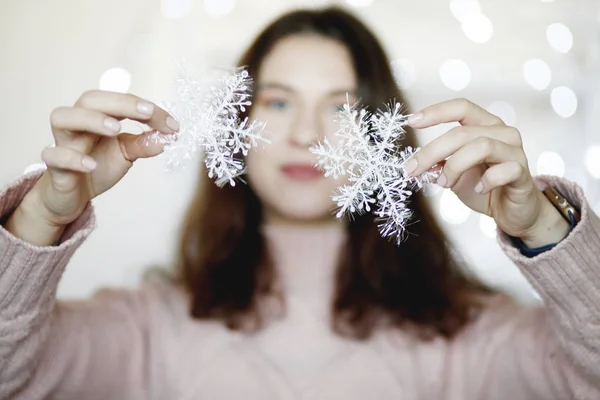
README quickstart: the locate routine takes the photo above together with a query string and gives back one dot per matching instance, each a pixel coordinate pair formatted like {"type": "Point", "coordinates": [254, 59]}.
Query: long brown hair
{"type": "Point", "coordinates": [224, 262]}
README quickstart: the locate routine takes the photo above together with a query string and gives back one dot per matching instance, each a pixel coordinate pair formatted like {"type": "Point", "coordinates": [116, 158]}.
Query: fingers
{"type": "Point", "coordinates": [64, 164]}
{"type": "Point", "coordinates": [482, 150]}
{"type": "Point", "coordinates": [447, 144]}
{"type": "Point", "coordinates": [457, 110]}
{"type": "Point", "coordinates": [501, 175]}
{"type": "Point", "coordinates": [97, 113]}
{"type": "Point", "coordinates": [65, 158]}
{"type": "Point", "coordinates": [125, 105]}
{"type": "Point", "coordinates": [65, 120]}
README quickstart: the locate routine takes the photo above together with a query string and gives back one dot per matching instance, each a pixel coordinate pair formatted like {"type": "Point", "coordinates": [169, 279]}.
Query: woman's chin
{"type": "Point", "coordinates": [306, 213]}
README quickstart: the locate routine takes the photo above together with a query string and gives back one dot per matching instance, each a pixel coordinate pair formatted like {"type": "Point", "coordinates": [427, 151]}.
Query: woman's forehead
{"type": "Point", "coordinates": [308, 63]}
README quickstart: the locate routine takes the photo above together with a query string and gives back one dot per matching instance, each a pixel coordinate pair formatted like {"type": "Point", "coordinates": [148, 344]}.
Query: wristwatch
{"type": "Point", "coordinates": [562, 205]}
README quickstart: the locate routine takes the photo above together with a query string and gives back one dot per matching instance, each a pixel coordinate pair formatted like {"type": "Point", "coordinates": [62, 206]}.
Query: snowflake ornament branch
{"type": "Point", "coordinates": [367, 151]}
{"type": "Point", "coordinates": [209, 116]}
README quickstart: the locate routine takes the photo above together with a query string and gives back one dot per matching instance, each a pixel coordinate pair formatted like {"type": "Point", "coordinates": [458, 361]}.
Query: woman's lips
{"type": "Point", "coordinates": [301, 172]}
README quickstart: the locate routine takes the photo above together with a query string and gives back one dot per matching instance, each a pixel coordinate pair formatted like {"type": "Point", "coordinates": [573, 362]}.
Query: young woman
{"type": "Point", "coordinates": [276, 299]}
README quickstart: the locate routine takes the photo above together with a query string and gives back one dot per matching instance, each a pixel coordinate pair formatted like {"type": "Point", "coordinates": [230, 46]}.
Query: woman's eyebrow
{"type": "Point", "coordinates": [274, 85]}
{"type": "Point", "coordinates": [342, 92]}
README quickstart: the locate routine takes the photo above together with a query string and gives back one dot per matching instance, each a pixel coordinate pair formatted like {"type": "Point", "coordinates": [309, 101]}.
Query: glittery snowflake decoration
{"type": "Point", "coordinates": [209, 116]}
{"type": "Point", "coordinates": [367, 151]}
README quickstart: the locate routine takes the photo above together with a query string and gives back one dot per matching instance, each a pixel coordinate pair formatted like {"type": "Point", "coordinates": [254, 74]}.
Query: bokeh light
{"type": "Point", "coordinates": [463, 9]}
{"type": "Point", "coordinates": [550, 163]}
{"type": "Point", "coordinates": [487, 225]}
{"type": "Point", "coordinates": [175, 9]}
{"type": "Point", "coordinates": [478, 28]}
{"type": "Point", "coordinates": [564, 101]}
{"type": "Point", "coordinates": [537, 73]}
{"type": "Point", "coordinates": [431, 189]}
{"type": "Point", "coordinates": [559, 37]}
{"type": "Point", "coordinates": [455, 74]}
{"type": "Point", "coordinates": [452, 210]}
{"type": "Point", "coordinates": [116, 80]}
{"type": "Point", "coordinates": [405, 72]}
{"type": "Point", "coordinates": [217, 8]}
{"type": "Point", "coordinates": [592, 161]}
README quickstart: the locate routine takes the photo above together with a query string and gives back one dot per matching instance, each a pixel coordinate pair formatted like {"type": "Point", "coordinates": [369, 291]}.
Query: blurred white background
{"type": "Point", "coordinates": [535, 63]}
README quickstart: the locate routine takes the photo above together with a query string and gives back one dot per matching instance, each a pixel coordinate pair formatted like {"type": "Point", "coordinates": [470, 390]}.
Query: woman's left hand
{"type": "Point", "coordinates": [485, 165]}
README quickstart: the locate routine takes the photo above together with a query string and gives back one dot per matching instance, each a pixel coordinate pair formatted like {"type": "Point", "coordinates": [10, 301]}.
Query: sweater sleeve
{"type": "Point", "coordinates": [550, 352]}
{"type": "Point", "coordinates": [96, 349]}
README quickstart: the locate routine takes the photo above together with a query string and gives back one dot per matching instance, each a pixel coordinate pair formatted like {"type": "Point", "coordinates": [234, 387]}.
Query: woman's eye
{"type": "Point", "coordinates": [336, 108]}
{"type": "Point", "coordinates": [277, 104]}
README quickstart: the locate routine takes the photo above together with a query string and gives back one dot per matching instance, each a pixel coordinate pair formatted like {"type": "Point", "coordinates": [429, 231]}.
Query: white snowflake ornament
{"type": "Point", "coordinates": [209, 115]}
{"type": "Point", "coordinates": [367, 151]}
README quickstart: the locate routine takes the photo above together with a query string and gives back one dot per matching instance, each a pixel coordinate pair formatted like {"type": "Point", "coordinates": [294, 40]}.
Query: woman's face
{"type": "Point", "coordinates": [301, 85]}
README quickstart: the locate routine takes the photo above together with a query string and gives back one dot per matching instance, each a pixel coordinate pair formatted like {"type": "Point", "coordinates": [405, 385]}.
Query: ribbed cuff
{"type": "Point", "coordinates": [535, 251]}
{"type": "Point", "coordinates": [29, 274]}
{"type": "Point", "coordinates": [567, 277]}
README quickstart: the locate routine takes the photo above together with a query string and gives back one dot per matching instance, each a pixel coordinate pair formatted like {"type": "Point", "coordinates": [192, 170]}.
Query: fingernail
{"type": "Point", "coordinates": [479, 187]}
{"type": "Point", "coordinates": [145, 107]}
{"type": "Point", "coordinates": [415, 118]}
{"type": "Point", "coordinates": [442, 180]}
{"type": "Point", "coordinates": [89, 163]}
{"type": "Point", "coordinates": [112, 124]}
{"type": "Point", "coordinates": [411, 166]}
{"type": "Point", "coordinates": [171, 123]}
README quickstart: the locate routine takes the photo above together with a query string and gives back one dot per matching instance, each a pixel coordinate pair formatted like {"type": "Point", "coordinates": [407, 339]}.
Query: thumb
{"type": "Point", "coordinates": [145, 145]}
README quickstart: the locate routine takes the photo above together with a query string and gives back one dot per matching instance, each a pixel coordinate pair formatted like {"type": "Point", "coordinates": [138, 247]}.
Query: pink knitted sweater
{"type": "Point", "coordinates": [141, 344]}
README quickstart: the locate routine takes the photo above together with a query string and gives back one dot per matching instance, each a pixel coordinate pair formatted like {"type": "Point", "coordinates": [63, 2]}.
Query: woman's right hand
{"type": "Point", "coordinates": [91, 154]}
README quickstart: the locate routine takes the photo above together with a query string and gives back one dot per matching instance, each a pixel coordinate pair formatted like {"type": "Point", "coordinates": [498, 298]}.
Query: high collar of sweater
{"type": "Point", "coordinates": [306, 260]}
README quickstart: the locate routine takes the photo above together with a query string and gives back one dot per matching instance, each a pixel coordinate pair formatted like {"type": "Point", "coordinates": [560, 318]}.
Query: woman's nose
{"type": "Point", "coordinates": [305, 131]}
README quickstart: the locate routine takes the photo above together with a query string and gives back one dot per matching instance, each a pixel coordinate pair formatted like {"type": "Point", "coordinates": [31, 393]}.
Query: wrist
{"type": "Point", "coordinates": [550, 228]}
{"type": "Point", "coordinates": [28, 224]}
